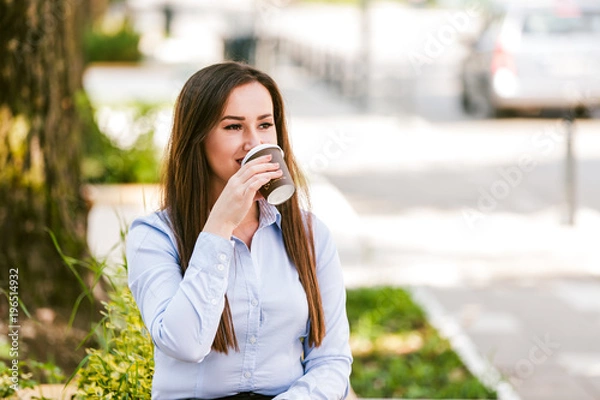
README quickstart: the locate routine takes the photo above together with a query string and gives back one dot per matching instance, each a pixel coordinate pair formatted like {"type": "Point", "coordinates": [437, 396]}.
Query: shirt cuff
{"type": "Point", "coordinates": [212, 254]}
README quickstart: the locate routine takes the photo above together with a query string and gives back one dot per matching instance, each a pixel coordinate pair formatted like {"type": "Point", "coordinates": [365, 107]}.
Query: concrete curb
{"type": "Point", "coordinates": [46, 391]}
{"type": "Point", "coordinates": [449, 328]}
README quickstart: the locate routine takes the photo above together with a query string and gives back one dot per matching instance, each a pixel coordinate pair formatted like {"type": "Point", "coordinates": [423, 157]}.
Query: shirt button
{"type": "Point", "coordinates": [220, 267]}
{"type": "Point", "coordinates": [253, 339]}
{"type": "Point", "coordinates": [247, 375]}
{"type": "Point", "coordinates": [254, 302]}
{"type": "Point", "coordinates": [222, 257]}
{"type": "Point", "coordinates": [213, 302]}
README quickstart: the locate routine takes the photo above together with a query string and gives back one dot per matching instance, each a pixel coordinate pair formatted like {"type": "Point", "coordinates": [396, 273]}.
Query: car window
{"type": "Point", "coordinates": [549, 23]}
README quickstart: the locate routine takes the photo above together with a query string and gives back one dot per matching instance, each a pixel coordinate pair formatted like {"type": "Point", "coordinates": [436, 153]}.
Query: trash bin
{"type": "Point", "coordinates": [240, 48]}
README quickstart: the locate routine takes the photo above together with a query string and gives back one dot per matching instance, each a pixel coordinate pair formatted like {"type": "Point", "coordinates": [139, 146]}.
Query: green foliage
{"type": "Point", "coordinates": [25, 373]}
{"type": "Point", "coordinates": [398, 354]}
{"type": "Point", "coordinates": [418, 364]}
{"type": "Point", "coordinates": [381, 316]}
{"type": "Point", "coordinates": [11, 379]}
{"type": "Point", "coordinates": [44, 372]}
{"type": "Point", "coordinates": [413, 3]}
{"type": "Point", "coordinates": [121, 45]}
{"type": "Point", "coordinates": [105, 162]}
{"type": "Point", "coordinates": [123, 367]}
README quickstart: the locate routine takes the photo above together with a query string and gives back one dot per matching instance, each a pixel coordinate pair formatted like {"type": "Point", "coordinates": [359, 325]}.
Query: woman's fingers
{"type": "Point", "coordinates": [250, 170]}
{"type": "Point", "coordinates": [241, 190]}
{"type": "Point", "coordinates": [257, 168]}
{"type": "Point", "coordinates": [241, 193]}
{"type": "Point", "coordinates": [243, 187]}
{"type": "Point", "coordinates": [257, 161]}
{"type": "Point", "coordinates": [259, 180]}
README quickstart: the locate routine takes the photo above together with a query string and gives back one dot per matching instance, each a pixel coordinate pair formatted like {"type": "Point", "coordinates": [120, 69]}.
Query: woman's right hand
{"type": "Point", "coordinates": [239, 194]}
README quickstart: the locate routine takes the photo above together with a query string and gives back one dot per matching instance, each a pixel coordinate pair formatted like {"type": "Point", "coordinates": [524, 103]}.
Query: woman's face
{"type": "Point", "coordinates": [247, 121]}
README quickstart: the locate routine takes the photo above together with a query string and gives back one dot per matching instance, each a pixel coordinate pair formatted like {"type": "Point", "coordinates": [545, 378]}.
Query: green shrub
{"type": "Point", "coordinates": [9, 382]}
{"type": "Point", "coordinates": [105, 162]}
{"type": "Point", "coordinates": [398, 354]}
{"type": "Point", "coordinates": [123, 367]}
{"type": "Point", "coordinates": [404, 356]}
{"type": "Point", "coordinates": [375, 311]}
{"type": "Point", "coordinates": [119, 46]}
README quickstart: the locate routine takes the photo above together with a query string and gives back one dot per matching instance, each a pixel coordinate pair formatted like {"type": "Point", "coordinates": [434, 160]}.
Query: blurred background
{"type": "Point", "coordinates": [453, 148]}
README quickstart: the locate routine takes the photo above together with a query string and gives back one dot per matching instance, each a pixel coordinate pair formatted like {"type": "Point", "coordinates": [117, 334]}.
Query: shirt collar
{"type": "Point", "coordinates": [269, 214]}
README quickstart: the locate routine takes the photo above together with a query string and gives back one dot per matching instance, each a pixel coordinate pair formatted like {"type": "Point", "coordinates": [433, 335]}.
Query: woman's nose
{"type": "Point", "coordinates": [251, 139]}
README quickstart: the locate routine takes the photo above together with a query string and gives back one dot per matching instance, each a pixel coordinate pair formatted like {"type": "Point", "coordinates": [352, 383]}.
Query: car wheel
{"type": "Point", "coordinates": [503, 113]}
{"type": "Point", "coordinates": [470, 103]}
{"type": "Point", "coordinates": [465, 102]}
{"type": "Point", "coordinates": [480, 107]}
{"type": "Point", "coordinates": [594, 112]}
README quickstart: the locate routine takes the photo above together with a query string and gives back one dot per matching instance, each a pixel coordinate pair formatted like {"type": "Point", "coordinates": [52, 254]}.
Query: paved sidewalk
{"type": "Point", "coordinates": [541, 335]}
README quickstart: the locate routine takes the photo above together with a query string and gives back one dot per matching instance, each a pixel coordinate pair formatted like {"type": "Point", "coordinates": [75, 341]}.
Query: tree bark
{"type": "Point", "coordinates": [41, 71]}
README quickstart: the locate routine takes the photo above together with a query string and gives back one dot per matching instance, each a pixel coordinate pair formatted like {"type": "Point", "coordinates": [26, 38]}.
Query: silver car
{"type": "Point", "coordinates": [532, 56]}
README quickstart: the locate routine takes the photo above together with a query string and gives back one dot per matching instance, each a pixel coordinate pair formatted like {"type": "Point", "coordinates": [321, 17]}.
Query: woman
{"type": "Point", "coordinates": [242, 299]}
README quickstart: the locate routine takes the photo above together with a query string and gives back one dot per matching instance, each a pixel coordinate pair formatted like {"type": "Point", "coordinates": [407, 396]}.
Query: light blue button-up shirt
{"type": "Point", "coordinates": [268, 305]}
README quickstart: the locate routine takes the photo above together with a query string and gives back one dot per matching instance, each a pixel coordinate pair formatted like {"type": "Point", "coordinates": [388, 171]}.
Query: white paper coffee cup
{"type": "Point", "coordinates": [277, 190]}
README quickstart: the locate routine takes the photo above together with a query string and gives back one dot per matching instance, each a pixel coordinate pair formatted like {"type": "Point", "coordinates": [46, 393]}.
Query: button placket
{"type": "Point", "coordinates": [250, 348]}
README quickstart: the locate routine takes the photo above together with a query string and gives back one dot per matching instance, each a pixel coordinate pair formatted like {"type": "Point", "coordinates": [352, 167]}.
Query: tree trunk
{"type": "Point", "coordinates": [40, 148]}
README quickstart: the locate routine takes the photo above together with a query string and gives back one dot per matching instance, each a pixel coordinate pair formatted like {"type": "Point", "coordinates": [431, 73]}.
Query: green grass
{"type": "Point", "coordinates": [398, 354]}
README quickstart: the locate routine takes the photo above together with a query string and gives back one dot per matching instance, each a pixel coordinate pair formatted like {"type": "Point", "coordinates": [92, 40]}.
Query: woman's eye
{"type": "Point", "coordinates": [233, 127]}
{"type": "Point", "coordinates": [266, 125]}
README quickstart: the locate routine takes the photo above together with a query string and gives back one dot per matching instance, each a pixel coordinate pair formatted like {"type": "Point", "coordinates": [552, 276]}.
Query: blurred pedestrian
{"type": "Point", "coordinates": [168, 12]}
{"type": "Point", "coordinates": [243, 299]}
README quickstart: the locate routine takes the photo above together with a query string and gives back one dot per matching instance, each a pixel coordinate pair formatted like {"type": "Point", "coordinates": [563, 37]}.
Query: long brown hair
{"type": "Point", "coordinates": [186, 183]}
